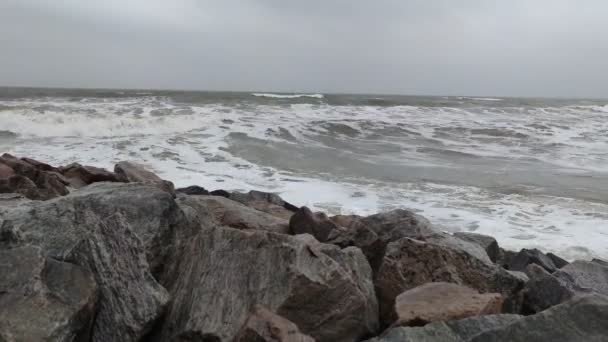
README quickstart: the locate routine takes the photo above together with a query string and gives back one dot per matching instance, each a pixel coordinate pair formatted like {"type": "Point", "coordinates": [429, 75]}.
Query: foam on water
{"type": "Point", "coordinates": [288, 96]}
{"type": "Point", "coordinates": [190, 144]}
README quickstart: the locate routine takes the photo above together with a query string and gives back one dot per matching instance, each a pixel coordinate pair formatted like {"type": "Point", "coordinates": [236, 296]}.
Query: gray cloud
{"type": "Point", "coordinates": [480, 47]}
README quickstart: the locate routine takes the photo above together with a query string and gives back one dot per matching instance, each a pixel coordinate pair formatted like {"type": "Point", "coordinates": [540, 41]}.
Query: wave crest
{"type": "Point", "coordinates": [288, 96]}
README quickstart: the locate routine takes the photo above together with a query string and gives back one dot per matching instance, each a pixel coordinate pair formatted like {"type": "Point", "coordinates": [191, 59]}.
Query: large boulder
{"type": "Point", "coordinates": [488, 243]}
{"type": "Point", "coordinates": [582, 318]}
{"type": "Point", "coordinates": [371, 233]}
{"type": "Point", "coordinates": [29, 180]}
{"type": "Point", "coordinates": [304, 221]}
{"type": "Point", "coordinates": [113, 230]}
{"type": "Point", "coordinates": [433, 302]}
{"type": "Point", "coordinates": [221, 273]}
{"type": "Point", "coordinates": [544, 290]}
{"type": "Point", "coordinates": [82, 175]}
{"type": "Point", "coordinates": [267, 202]}
{"type": "Point", "coordinates": [22, 185]}
{"type": "Point", "coordinates": [557, 261]}
{"type": "Point", "coordinates": [526, 257]}
{"type": "Point", "coordinates": [234, 214]}
{"type": "Point", "coordinates": [153, 215]}
{"type": "Point", "coordinates": [591, 275]}
{"type": "Point", "coordinates": [43, 299]}
{"type": "Point", "coordinates": [266, 326]}
{"type": "Point", "coordinates": [130, 172]}
{"type": "Point", "coordinates": [409, 263]}
{"type": "Point", "coordinates": [450, 331]}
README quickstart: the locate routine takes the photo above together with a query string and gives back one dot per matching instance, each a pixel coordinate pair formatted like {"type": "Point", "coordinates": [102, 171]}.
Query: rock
{"type": "Point", "coordinates": [557, 261]}
{"type": "Point", "coordinates": [409, 263]}
{"type": "Point", "coordinates": [505, 257]}
{"type": "Point", "coordinates": [235, 215]}
{"type": "Point", "coordinates": [20, 185]}
{"type": "Point", "coordinates": [450, 331]}
{"type": "Point", "coordinates": [131, 300]}
{"type": "Point", "coordinates": [304, 221]}
{"type": "Point", "coordinates": [45, 184]}
{"type": "Point", "coordinates": [109, 229]}
{"type": "Point", "coordinates": [433, 302]}
{"type": "Point", "coordinates": [42, 299]}
{"type": "Point", "coordinates": [265, 326]}
{"type": "Point", "coordinates": [6, 171]}
{"type": "Point", "coordinates": [450, 241]}
{"type": "Point", "coordinates": [374, 232]}
{"type": "Point", "coordinates": [39, 165]}
{"type": "Point", "coordinates": [153, 215]}
{"type": "Point", "coordinates": [543, 290]}
{"type": "Point", "coordinates": [582, 318]}
{"type": "Point", "coordinates": [267, 202]}
{"type": "Point", "coordinates": [192, 190]}
{"type": "Point", "coordinates": [130, 172]}
{"type": "Point", "coordinates": [526, 257]}
{"type": "Point", "coordinates": [80, 175]}
{"type": "Point", "coordinates": [222, 193]}
{"type": "Point", "coordinates": [586, 274]}
{"type": "Point", "coordinates": [292, 276]}
{"type": "Point", "coordinates": [488, 243]}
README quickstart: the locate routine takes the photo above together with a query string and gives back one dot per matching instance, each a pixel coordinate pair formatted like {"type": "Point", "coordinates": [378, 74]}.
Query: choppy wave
{"type": "Point", "coordinates": [288, 96]}
{"type": "Point", "coordinates": [451, 163]}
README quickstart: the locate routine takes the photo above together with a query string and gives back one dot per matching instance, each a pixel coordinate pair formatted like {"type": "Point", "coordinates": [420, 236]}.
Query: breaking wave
{"type": "Point", "coordinates": [288, 96]}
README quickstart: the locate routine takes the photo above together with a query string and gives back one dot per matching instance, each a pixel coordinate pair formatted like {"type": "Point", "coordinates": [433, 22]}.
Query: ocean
{"type": "Point", "coordinates": [533, 173]}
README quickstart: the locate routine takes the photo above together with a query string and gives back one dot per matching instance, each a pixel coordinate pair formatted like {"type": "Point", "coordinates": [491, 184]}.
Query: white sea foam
{"type": "Point", "coordinates": [190, 145]}
{"type": "Point", "coordinates": [288, 96]}
{"type": "Point", "coordinates": [485, 99]}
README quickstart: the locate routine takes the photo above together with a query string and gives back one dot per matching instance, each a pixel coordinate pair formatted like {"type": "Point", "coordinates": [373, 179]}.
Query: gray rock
{"type": "Point", "coordinates": [543, 290]}
{"type": "Point", "coordinates": [267, 202]}
{"type": "Point", "coordinates": [193, 190]}
{"type": "Point", "coordinates": [292, 276]}
{"type": "Point", "coordinates": [526, 257]}
{"type": "Point", "coordinates": [130, 172]}
{"type": "Point", "coordinates": [152, 214]}
{"type": "Point", "coordinates": [266, 326]}
{"type": "Point", "coordinates": [42, 299]}
{"type": "Point", "coordinates": [234, 214]}
{"type": "Point", "coordinates": [109, 229]}
{"type": "Point", "coordinates": [488, 243]}
{"type": "Point", "coordinates": [504, 257]}
{"type": "Point", "coordinates": [372, 233]}
{"type": "Point", "coordinates": [586, 274]}
{"type": "Point", "coordinates": [131, 300]}
{"type": "Point", "coordinates": [451, 331]}
{"type": "Point", "coordinates": [409, 263]}
{"type": "Point", "coordinates": [557, 261]}
{"type": "Point", "coordinates": [582, 318]}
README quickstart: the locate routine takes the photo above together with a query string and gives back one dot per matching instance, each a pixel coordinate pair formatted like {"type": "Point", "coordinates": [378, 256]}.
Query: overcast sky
{"type": "Point", "coordinates": [436, 47]}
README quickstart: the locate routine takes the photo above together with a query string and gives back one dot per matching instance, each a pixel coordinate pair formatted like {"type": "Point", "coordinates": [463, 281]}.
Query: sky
{"type": "Point", "coordinates": [552, 48]}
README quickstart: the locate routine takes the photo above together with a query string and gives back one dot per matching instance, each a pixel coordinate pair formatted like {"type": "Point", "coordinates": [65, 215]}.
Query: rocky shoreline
{"type": "Point", "coordinates": [88, 254]}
